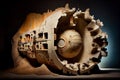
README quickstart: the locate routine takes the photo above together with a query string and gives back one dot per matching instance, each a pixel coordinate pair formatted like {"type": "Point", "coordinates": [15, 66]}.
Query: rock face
{"type": "Point", "coordinates": [68, 41]}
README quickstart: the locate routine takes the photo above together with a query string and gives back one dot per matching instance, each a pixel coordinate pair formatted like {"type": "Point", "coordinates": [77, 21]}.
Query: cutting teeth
{"type": "Point", "coordinates": [76, 68]}
{"type": "Point", "coordinates": [65, 39]}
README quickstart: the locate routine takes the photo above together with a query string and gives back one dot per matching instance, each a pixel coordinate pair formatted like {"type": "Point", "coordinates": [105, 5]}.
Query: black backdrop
{"type": "Point", "coordinates": [13, 14]}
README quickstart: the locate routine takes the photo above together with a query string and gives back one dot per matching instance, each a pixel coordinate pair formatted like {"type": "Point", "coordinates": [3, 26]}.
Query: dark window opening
{"type": "Point", "coordinates": [34, 32]}
{"type": "Point", "coordinates": [40, 35]}
{"type": "Point", "coordinates": [45, 46]}
{"type": "Point", "coordinates": [37, 46]}
{"type": "Point", "coordinates": [27, 35]}
{"type": "Point", "coordinates": [46, 35]}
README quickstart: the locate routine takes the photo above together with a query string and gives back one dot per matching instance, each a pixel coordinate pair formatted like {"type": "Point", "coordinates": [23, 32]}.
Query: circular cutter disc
{"type": "Point", "coordinates": [66, 40]}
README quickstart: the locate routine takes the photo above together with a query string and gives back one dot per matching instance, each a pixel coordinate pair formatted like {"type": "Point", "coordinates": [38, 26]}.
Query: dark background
{"type": "Point", "coordinates": [13, 14]}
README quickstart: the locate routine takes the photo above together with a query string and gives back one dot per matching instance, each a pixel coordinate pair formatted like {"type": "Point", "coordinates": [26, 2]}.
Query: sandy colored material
{"type": "Point", "coordinates": [67, 41]}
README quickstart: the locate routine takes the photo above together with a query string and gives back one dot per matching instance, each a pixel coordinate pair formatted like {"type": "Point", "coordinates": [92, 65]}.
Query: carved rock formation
{"type": "Point", "coordinates": [68, 41]}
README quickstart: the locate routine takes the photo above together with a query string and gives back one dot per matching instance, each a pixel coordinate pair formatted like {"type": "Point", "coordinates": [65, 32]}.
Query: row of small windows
{"type": "Point", "coordinates": [30, 41]}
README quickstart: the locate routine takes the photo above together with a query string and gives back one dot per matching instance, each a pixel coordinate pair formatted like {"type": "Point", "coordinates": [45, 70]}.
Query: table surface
{"type": "Point", "coordinates": [104, 73]}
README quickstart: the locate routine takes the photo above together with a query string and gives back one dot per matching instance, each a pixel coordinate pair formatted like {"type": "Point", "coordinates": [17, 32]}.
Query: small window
{"type": "Point", "coordinates": [27, 35]}
{"type": "Point", "coordinates": [46, 35]}
{"type": "Point", "coordinates": [45, 46]}
{"type": "Point", "coordinates": [34, 32]}
{"type": "Point", "coordinates": [37, 46]}
{"type": "Point", "coordinates": [40, 35]}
